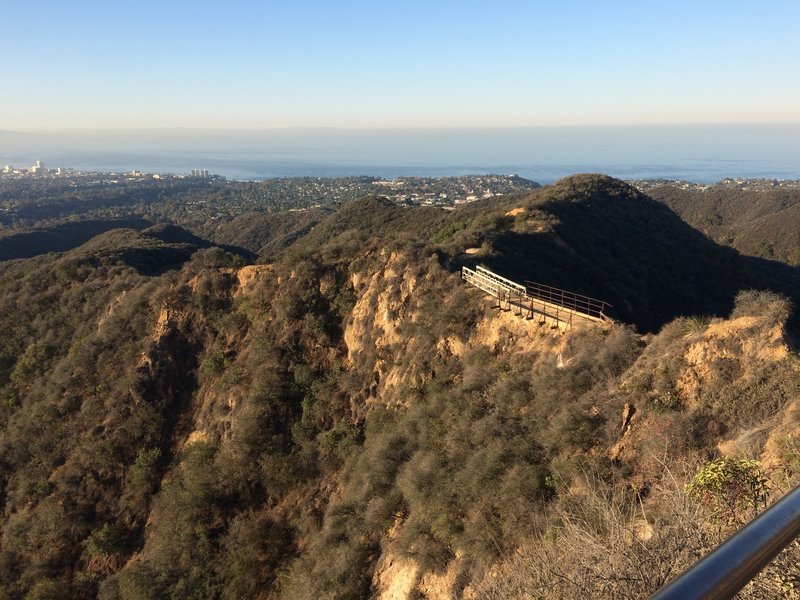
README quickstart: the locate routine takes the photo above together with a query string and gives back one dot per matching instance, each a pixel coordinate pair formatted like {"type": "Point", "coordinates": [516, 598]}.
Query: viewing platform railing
{"type": "Point", "coordinates": [534, 298]}
{"type": "Point", "coordinates": [726, 570]}
{"type": "Point", "coordinates": [565, 299]}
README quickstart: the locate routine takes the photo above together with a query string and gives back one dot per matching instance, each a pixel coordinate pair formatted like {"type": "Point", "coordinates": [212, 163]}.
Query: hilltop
{"type": "Point", "coordinates": [342, 417]}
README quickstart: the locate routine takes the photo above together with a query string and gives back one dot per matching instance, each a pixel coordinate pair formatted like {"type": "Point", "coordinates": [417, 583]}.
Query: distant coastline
{"type": "Point", "coordinates": [697, 153]}
{"type": "Point", "coordinates": [695, 173]}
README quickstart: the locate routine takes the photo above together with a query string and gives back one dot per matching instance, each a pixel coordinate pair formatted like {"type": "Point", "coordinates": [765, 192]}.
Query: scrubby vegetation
{"type": "Point", "coordinates": [765, 224]}
{"type": "Point", "coordinates": [177, 424]}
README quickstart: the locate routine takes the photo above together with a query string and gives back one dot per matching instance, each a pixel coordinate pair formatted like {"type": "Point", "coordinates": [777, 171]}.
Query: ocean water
{"type": "Point", "coordinates": [699, 153]}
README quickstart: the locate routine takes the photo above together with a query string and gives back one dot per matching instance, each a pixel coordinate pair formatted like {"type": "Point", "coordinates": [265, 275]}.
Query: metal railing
{"type": "Point", "coordinates": [546, 301]}
{"type": "Point", "coordinates": [570, 300]}
{"type": "Point", "coordinates": [736, 561]}
{"type": "Point", "coordinates": [501, 282]}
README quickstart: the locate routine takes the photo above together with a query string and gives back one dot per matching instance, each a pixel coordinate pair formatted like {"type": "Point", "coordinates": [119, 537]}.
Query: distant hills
{"type": "Point", "coordinates": [62, 237]}
{"type": "Point", "coordinates": [149, 247]}
{"type": "Point", "coordinates": [590, 234]}
{"type": "Point", "coordinates": [764, 223]}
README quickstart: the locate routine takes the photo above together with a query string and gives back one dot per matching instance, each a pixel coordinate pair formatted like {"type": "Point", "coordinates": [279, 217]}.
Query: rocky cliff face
{"type": "Point", "coordinates": [699, 387]}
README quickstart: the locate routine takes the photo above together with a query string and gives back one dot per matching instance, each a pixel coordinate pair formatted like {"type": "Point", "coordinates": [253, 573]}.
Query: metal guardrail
{"type": "Point", "coordinates": [495, 287]}
{"type": "Point", "coordinates": [549, 299]}
{"type": "Point", "coordinates": [736, 561]}
{"type": "Point", "coordinates": [511, 286]}
{"type": "Point", "coordinates": [570, 300]}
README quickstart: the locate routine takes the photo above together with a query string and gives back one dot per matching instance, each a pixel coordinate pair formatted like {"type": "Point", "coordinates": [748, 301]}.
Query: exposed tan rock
{"type": "Point", "coordinates": [627, 414]}
{"type": "Point", "coordinates": [399, 578]}
{"type": "Point", "coordinates": [249, 275]}
{"type": "Point", "coordinates": [386, 302]}
{"type": "Point", "coordinates": [741, 340]}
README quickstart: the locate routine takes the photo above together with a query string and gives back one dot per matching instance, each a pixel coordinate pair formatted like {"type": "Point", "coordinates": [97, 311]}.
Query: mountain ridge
{"type": "Point", "coordinates": [351, 420]}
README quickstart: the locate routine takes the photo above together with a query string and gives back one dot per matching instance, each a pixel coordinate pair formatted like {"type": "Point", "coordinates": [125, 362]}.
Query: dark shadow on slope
{"type": "Point", "coordinates": [614, 243]}
{"type": "Point", "coordinates": [150, 252]}
{"type": "Point", "coordinates": [172, 234]}
{"type": "Point", "coordinates": [784, 279]}
{"type": "Point", "coordinates": [63, 237]}
{"type": "Point", "coordinates": [68, 236]}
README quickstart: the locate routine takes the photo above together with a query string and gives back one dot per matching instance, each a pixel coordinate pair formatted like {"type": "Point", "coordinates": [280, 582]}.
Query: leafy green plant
{"type": "Point", "coordinates": [665, 402]}
{"type": "Point", "coordinates": [105, 541]}
{"type": "Point", "coordinates": [733, 489]}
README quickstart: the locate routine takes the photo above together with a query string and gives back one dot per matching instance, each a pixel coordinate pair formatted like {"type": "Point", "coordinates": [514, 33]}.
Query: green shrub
{"type": "Point", "coordinates": [733, 489]}
{"type": "Point", "coordinates": [695, 325]}
{"type": "Point", "coordinates": [105, 541]}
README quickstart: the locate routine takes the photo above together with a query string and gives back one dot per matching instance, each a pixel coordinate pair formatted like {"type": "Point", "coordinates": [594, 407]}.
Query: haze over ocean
{"type": "Point", "coordinates": [700, 153]}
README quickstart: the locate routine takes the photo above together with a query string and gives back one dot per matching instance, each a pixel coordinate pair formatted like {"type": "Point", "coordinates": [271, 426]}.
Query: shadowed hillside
{"type": "Point", "coordinates": [600, 237]}
{"type": "Point", "coordinates": [61, 237]}
{"type": "Point", "coordinates": [609, 241]}
{"type": "Point", "coordinates": [66, 236]}
{"type": "Point", "coordinates": [764, 224]}
{"type": "Point", "coordinates": [150, 251]}
{"type": "Point", "coordinates": [589, 234]}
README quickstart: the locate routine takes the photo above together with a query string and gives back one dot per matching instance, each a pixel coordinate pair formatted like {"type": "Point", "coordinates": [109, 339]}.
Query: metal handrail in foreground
{"type": "Point", "coordinates": [740, 558]}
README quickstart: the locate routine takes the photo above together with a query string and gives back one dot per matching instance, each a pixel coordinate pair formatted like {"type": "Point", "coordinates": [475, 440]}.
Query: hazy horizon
{"type": "Point", "coordinates": [260, 89]}
{"type": "Point", "coordinates": [699, 153]}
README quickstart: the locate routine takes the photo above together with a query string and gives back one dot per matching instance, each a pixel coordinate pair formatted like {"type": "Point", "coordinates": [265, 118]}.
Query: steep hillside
{"type": "Point", "coordinates": [66, 236]}
{"type": "Point", "coordinates": [721, 389]}
{"type": "Point", "coordinates": [372, 217]}
{"type": "Point", "coordinates": [600, 237]}
{"type": "Point", "coordinates": [59, 238]}
{"type": "Point", "coordinates": [765, 224]}
{"type": "Point", "coordinates": [353, 421]}
{"type": "Point", "coordinates": [265, 234]}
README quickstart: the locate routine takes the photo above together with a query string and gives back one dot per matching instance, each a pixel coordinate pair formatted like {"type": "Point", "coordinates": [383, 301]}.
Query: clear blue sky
{"type": "Point", "coordinates": [440, 63]}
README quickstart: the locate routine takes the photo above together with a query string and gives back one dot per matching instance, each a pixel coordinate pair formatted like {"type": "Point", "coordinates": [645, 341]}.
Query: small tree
{"type": "Point", "coordinates": [733, 489]}
{"type": "Point", "coordinates": [105, 541]}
